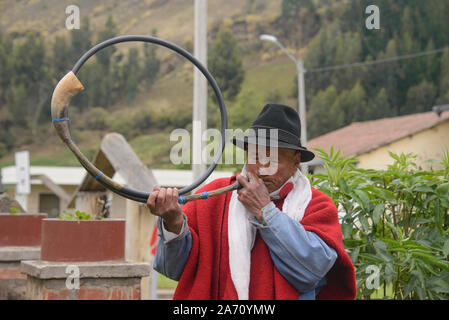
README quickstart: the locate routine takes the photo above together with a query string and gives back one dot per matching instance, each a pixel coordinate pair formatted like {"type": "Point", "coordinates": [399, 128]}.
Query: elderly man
{"type": "Point", "coordinates": [276, 238]}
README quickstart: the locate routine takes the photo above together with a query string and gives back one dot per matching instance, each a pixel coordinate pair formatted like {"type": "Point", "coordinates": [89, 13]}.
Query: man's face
{"type": "Point", "coordinates": [285, 165]}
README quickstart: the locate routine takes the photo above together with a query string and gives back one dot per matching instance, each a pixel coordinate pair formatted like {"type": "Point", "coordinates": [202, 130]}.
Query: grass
{"type": "Point", "coordinates": [153, 150]}
{"type": "Point", "coordinates": [264, 80]}
{"type": "Point", "coordinates": [165, 283]}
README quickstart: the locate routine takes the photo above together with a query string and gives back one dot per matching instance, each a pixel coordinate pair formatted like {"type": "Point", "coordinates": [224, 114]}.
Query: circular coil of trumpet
{"type": "Point", "coordinates": [69, 86]}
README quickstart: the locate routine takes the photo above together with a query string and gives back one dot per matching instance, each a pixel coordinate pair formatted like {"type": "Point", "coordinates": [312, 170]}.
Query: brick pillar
{"type": "Point", "coordinates": [12, 281]}
{"type": "Point", "coordinates": [106, 280]}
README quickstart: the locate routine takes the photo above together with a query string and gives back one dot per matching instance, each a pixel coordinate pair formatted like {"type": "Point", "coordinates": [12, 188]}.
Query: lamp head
{"type": "Point", "coordinates": [268, 37]}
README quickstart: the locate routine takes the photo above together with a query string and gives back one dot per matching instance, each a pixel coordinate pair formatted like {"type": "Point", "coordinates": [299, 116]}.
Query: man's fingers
{"type": "Point", "coordinates": [252, 177]}
{"type": "Point", "coordinates": [175, 195]}
{"type": "Point", "coordinates": [169, 196]}
{"type": "Point", "coordinates": [151, 202]}
{"type": "Point", "coordinates": [152, 198]}
{"type": "Point", "coordinates": [161, 196]}
{"type": "Point", "coordinates": [242, 180]}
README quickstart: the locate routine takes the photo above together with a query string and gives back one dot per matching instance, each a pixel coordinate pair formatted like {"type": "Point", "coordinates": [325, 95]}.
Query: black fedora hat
{"type": "Point", "coordinates": [288, 128]}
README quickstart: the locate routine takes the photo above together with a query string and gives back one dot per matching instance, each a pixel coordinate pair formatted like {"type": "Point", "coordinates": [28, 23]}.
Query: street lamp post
{"type": "Point", "coordinates": [301, 87]}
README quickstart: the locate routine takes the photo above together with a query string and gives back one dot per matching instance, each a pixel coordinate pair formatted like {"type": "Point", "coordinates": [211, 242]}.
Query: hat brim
{"type": "Point", "coordinates": [306, 155]}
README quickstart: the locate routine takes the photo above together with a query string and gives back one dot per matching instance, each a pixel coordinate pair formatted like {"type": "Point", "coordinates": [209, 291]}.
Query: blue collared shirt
{"type": "Point", "coordinates": [300, 256]}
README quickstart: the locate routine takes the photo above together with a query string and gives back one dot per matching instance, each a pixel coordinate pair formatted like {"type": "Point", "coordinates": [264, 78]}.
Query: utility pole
{"type": "Point", "coordinates": [302, 101]}
{"type": "Point", "coordinates": [199, 88]}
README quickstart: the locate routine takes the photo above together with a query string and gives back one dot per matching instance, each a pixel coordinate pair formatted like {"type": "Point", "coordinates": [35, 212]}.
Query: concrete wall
{"type": "Point", "coordinates": [118, 207]}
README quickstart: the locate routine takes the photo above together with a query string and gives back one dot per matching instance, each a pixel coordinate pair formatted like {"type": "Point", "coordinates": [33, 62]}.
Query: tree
{"type": "Point", "coordinates": [61, 58]}
{"type": "Point", "coordinates": [320, 53]}
{"type": "Point", "coordinates": [151, 63]}
{"type": "Point", "coordinates": [29, 61]}
{"type": "Point", "coordinates": [323, 115]}
{"type": "Point", "coordinates": [103, 95]}
{"type": "Point", "coordinates": [379, 107]}
{"type": "Point", "coordinates": [132, 75]}
{"type": "Point", "coordinates": [432, 63]}
{"type": "Point", "coordinates": [351, 104]}
{"type": "Point", "coordinates": [243, 112]}
{"type": "Point", "coordinates": [28, 79]}
{"type": "Point", "coordinates": [298, 21]}
{"type": "Point", "coordinates": [356, 104]}
{"type": "Point", "coordinates": [420, 98]}
{"type": "Point", "coordinates": [388, 73]}
{"type": "Point", "coordinates": [6, 124]}
{"type": "Point", "coordinates": [348, 50]}
{"type": "Point", "coordinates": [444, 77]}
{"type": "Point", "coordinates": [91, 75]}
{"type": "Point", "coordinates": [5, 66]}
{"type": "Point", "coordinates": [118, 77]}
{"type": "Point", "coordinates": [225, 63]}
{"type": "Point", "coordinates": [109, 31]}
{"type": "Point", "coordinates": [80, 40]}
{"type": "Point", "coordinates": [18, 105]}
{"type": "Point", "coordinates": [291, 8]}
{"type": "Point", "coordinates": [3, 150]}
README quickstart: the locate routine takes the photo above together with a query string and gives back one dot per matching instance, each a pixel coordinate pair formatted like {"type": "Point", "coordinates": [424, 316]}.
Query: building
{"type": "Point", "coordinates": [45, 197]}
{"type": "Point", "coordinates": [54, 189]}
{"type": "Point", "coordinates": [425, 134]}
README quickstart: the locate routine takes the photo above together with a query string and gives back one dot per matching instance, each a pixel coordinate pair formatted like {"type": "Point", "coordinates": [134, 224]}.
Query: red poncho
{"type": "Point", "coordinates": [207, 274]}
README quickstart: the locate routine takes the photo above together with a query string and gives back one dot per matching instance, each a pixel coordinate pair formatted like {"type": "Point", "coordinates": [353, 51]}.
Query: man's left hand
{"type": "Point", "coordinates": [254, 194]}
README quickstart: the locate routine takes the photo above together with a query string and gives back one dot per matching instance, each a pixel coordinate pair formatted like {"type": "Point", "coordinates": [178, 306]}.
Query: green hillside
{"type": "Point", "coordinates": [145, 92]}
{"type": "Point", "coordinates": [173, 19]}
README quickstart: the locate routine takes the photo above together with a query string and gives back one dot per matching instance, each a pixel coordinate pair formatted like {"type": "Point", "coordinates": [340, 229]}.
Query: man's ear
{"type": "Point", "coordinates": [297, 159]}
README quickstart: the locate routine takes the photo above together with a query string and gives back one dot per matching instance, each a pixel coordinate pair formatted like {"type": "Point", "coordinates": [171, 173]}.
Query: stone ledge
{"type": "Point", "coordinates": [19, 253]}
{"type": "Point", "coordinates": [102, 269]}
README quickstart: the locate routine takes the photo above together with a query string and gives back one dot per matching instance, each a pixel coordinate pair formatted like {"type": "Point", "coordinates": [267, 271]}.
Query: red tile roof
{"type": "Point", "coordinates": [361, 137]}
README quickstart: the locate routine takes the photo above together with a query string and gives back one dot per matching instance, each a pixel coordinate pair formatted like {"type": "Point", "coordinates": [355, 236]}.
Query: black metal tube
{"type": "Point", "coordinates": [143, 196]}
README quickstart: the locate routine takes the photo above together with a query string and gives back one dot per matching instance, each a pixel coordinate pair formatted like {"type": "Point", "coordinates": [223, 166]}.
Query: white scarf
{"type": "Point", "coordinates": [241, 233]}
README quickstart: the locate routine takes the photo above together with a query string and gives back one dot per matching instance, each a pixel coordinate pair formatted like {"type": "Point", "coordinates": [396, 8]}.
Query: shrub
{"type": "Point", "coordinates": [143, 119]}
{"type": "Point", "coordinates": [395, 221]}
{"type": "Point", "coordinates": [3, 150]}
{"type": "Point", "coordinates": [125, 126]}
{"type": "Point", "coordinates": [97, 119]}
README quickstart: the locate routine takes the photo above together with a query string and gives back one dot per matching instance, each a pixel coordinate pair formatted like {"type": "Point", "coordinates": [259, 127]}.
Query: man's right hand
{"type": "Point", "coordinates": [164, 203]}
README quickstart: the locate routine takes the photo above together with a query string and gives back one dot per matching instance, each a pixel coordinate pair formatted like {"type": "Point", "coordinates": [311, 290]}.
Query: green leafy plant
{"type": "Point", "coordinates": [77, 215]}
{"type": "Point", "coordinates": [13, 210]}
{"type": "Point", "coordinates": [395, 219]}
